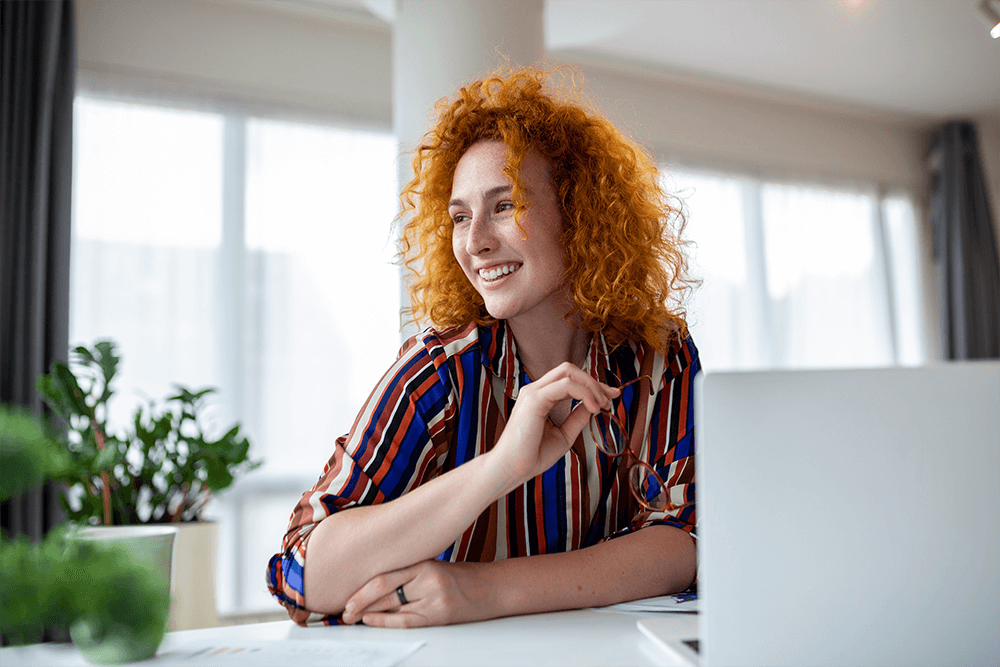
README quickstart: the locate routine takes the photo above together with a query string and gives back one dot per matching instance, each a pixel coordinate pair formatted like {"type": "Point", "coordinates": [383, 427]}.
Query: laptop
{"type": "Point", "coordinates": [847, 517]}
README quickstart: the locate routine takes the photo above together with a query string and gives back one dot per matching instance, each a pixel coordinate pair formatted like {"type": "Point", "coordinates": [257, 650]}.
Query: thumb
{"type": "Point", "coordinates": [574, 424]}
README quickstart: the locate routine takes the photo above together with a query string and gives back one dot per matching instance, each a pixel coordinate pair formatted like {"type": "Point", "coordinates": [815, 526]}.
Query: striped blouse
{"type": "Point", "coordinates": [435, 409]}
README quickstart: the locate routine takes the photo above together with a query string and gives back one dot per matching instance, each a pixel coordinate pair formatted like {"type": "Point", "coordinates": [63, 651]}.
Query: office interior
{"type": "Point", "coordinates": [818, 96]}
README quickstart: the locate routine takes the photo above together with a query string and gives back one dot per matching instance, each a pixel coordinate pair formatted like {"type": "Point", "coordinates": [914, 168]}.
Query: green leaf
{"type": "Point", "coordinates": [52, 396]}
{"type": "Point", "coordinates": [108, 458]}
{"type": "Point", "coordinates": [68, 386]}
{"type": "Point", "coordinates": [27, 456]}
{"type": "Point", "coordinates": [107, 359]}
{"type": "Point", "coordinates": [84, 356]}
{"type": "Point", "coordinates": [186, 396]}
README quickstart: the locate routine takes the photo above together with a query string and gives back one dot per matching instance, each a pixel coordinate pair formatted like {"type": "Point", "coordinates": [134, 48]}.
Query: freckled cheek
{"type": "Point", "coordinates": [457, 248]}
{"type": "Point", "coordinates": [461, 258]}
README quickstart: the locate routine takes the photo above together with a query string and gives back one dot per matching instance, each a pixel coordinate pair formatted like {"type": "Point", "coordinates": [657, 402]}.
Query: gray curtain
{"type": "Point", "coordinates": [965, 248]}
{"type": "Point", "coordinates": [37, 85]}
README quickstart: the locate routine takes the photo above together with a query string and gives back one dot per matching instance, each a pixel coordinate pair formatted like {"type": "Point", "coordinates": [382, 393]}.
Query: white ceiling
{"type": "Point", "coordinates": [928, 58]}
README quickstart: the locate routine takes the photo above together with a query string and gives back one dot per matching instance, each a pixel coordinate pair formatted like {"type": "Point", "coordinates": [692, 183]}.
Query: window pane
{"type": "Point", "coordinates": [324, 290]}
{"type": "Point", "coordinates": [722, 314]}
{"type": "Point", "coordinates": [904, 250]}
{"type": "Point", "coordinates": [828, 296]}
{"type": "Point", "coordinates": [146, 230]}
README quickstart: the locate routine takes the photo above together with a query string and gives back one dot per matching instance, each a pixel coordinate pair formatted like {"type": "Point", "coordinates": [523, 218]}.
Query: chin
{"type": "Point", "coordinates": [497, 313]}
{"type": "Point", "coordinates": [500, 311]}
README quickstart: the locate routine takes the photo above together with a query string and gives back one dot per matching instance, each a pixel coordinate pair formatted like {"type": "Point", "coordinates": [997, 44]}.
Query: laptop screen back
{"type": "Point", "coordinates": [850, 517]}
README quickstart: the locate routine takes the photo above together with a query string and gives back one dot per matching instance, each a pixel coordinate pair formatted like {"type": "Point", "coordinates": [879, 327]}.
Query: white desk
{"type": "Point", "coordinates": [578, 637]}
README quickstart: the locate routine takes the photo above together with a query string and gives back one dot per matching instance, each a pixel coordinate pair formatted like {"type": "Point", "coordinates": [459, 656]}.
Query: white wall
{"type": "Point", "coordinates": [703, 123]}
{"type": "Point", "coordinates": [248, 52]}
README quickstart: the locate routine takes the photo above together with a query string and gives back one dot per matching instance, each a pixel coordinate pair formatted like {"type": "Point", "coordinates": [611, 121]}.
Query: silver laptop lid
{"type": "Point", "coordinates": [850, 517]}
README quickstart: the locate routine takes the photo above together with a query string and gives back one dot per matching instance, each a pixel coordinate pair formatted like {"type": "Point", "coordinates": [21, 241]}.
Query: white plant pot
{"type": "Point", "coordinates": [113, 645]}
{"type": "Point", "coordinates": [152, 543]}
{"type": "Point", "coordinates": [193, 580]}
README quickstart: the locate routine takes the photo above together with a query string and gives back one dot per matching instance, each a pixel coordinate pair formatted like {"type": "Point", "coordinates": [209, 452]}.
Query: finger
{"type": "Point", "coordinates": [378, 588]}
{"type": "Point", "coordinates": [388, 602]}
{"type": "Point", "coordinates": [567, 370]}
{"type": "Point", "coordinates": [568, 381]}
{"type": "Point", "coordinates": [587, 391]}
{"type": "Point", "coordinates": [396, 620]}
{"type": "Point", "coordinates": [574, 424]}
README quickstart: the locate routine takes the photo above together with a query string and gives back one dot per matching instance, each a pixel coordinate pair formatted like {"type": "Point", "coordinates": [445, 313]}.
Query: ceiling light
{"type": "Point", "coordinates": [991, 15]}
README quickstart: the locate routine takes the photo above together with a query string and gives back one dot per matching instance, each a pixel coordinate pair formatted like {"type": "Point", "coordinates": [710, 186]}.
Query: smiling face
{"type": "Point", "coordinates": [520, 279]}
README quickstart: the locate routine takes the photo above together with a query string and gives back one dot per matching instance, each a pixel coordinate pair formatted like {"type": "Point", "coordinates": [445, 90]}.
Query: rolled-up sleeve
{"type": "Point", "coordinates": [394, 445]}
{"type": "Point", "coordinates": [339, 487]}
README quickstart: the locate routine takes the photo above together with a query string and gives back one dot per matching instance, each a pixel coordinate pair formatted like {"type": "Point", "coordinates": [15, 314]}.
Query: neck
{"type": "Point", "coordinates": [543, 347]}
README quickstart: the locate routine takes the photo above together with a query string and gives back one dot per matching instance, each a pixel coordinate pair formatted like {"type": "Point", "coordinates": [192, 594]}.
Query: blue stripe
{"type": "Point", "coordinates": [554, 491]}
{"type": "Point", "coordinates": [467, 435]}
{"type": "Point", "coordinates": [685, 446]}
{"type": "Point", "coordinates": [293, 576]}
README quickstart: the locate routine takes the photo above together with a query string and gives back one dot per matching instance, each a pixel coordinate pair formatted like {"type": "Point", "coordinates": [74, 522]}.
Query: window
{"type": "Point", "coordinates": [249, 254]}
{"type": "Point", "coordinates": [800, 276]}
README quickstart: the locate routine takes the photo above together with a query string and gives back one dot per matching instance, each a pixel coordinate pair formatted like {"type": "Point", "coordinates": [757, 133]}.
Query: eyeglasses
{"type": "Point", "coordinates": [612, 438]}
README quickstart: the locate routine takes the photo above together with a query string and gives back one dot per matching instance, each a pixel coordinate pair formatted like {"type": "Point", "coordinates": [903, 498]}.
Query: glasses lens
{"type": "Point", "coordinates": [648, 488]}
{"type": "Point", "coordinates": [607, 432]}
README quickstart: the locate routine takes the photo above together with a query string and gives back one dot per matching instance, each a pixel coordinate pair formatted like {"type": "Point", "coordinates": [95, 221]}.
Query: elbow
{"type": "Point", "coordinates": [329, 577]}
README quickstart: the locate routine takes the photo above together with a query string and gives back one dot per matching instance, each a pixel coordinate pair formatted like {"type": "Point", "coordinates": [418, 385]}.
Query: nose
{"type": "Point", "coordinates": [479, 237]}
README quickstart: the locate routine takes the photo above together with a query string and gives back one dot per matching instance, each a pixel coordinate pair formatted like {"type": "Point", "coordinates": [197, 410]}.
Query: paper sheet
{"type": "Point", "coordinates": [301, 653]}
{"type": "Point", "coordinates": [683, 602]}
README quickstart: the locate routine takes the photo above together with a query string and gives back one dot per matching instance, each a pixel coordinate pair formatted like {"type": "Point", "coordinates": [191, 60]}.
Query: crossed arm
{"type": "Point", "coordinates": [400, 538]}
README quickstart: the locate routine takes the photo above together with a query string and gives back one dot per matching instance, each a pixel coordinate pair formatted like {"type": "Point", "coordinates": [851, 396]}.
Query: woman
{"type": "Point", "coordinates": [480, 479]}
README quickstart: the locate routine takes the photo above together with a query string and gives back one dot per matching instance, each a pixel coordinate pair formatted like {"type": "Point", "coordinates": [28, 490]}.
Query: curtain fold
{"type": "Point", "coordinates": [37, 87]}
{"type": "Point", "coordinates": [965, 247]}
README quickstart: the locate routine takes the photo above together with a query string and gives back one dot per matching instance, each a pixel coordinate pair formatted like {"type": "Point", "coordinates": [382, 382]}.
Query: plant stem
{"type": "Point", "coordinates": [105, 486]}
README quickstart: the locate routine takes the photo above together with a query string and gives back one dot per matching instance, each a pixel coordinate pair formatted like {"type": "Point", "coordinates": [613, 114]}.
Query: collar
{"type": "Point", "coordinates": [500, 357]}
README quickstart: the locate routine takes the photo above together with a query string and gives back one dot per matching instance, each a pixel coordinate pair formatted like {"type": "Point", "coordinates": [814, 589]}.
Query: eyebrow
{"type": "Point", "coordinates": [489, 194]}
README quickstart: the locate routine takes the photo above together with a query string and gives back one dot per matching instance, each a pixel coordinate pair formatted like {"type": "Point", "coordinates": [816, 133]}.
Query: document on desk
{"type": "Point", "coordinates": [679, 602]}
{"type": "Point", "coordinates": [298, 652]}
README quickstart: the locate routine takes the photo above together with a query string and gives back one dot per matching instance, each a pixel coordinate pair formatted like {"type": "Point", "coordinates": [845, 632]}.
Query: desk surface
{"type": "Point", "coordinates": [584, 636]}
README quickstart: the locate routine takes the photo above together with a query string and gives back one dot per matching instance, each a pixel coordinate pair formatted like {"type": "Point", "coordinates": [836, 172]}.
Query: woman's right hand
{"type": "Point", "coordinates": [531, 443]}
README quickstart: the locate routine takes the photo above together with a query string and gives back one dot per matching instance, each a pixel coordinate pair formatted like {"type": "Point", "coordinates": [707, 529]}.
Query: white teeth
{"type": "Point", "coordinates": [493, 274]}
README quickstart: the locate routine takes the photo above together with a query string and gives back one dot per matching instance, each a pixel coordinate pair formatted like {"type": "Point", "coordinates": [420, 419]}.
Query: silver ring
{"type": "Point", "coordinates": [401, 595]}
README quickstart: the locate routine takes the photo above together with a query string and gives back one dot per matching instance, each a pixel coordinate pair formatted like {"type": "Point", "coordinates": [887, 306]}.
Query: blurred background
{"type": "Point", "coordinates": [236, 165]}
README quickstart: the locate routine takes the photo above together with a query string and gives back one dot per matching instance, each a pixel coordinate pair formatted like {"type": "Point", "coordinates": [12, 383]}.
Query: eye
{"type": "Point", "coordinates": [505, 206]}
{"type": "Point", "coordinates": [459, 218]}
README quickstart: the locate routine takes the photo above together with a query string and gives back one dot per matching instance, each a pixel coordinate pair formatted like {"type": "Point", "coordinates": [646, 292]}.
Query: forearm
{"type": "Point", "coordinates": [350, 547]}
{"type": "Point", "coordinates": [653, 561]}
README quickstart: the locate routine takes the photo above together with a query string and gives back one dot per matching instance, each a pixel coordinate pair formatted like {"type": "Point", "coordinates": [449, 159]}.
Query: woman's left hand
{"type": "Point", "coordinates": [437, 593]}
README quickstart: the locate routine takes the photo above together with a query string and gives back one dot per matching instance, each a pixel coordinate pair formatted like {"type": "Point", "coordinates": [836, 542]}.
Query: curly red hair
{"type": "Point", "coordinates": [624, 260]}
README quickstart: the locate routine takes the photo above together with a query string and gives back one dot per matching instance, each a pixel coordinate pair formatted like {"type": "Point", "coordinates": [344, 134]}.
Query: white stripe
{"type": "Point", "coordinates": [570, 542]}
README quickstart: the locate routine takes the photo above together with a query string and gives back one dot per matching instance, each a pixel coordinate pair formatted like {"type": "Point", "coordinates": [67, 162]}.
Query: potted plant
{"type": "Point", "coordinates": [162, 468]}
{"type": "Point", "coordinates": [114, 602]}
